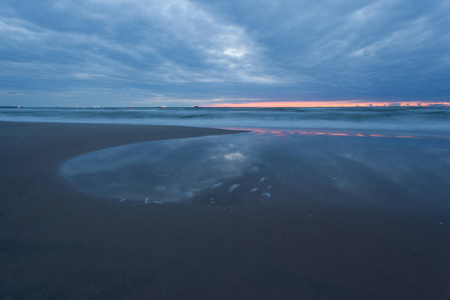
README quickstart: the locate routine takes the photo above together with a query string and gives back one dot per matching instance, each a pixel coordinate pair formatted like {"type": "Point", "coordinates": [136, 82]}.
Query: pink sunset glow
{"type": "Point", "coordinates": [331, 104]}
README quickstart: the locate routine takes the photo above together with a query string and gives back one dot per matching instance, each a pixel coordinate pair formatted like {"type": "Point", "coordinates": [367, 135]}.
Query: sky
{"type": "Point", "coordinates": [223, 52]}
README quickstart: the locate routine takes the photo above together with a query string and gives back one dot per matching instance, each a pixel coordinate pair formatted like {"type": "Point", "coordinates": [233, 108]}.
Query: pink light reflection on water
{"type": "Point", "coordinates": [287, 133]}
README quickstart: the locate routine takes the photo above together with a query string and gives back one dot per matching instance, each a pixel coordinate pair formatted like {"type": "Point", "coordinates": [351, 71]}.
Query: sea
{"type": "Point", "coordinates": [395, 121]}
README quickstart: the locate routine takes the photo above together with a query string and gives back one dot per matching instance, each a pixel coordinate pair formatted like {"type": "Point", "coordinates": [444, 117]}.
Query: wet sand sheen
{"type": "Point", "coordinates": [58, 243]}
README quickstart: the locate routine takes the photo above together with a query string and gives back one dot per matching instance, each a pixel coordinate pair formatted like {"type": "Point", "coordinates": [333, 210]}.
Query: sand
{"type": "Point", "coordinates": [58, 243]}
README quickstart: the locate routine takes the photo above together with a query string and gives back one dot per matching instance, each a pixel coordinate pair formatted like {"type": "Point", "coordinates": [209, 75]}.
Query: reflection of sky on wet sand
{"type": "Point", "coordinates": [349, 132]}
{"type": "Point", "coordinates": [277, 168]}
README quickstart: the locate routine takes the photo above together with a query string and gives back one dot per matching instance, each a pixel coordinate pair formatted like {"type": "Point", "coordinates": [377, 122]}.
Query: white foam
{"type": "Point", "coordinates": [122, 200]}
{"type": "Point", "coordinates": [156, 202]}
{"type": "Point", "coordinates": [266, 195]}
{"type": "Point", "coordinates": [189, 194]}
{"type": "Point", "coordinates": [234, 187]}
{"type": "Point", "coordinates": [253, 190]}
{"type": "Point", "coordinates": [216, 185]}
{"type": "Point", "coordinates": [263, 179]}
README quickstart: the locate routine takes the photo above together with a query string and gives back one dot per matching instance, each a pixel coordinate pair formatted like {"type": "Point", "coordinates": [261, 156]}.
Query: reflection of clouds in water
{"type": "Point", "coordinates": [102, 160]}
{"type": "Point", "coordinates": [234, 156]}
{"type": "Point", "coordinates": [167, 170]}
{"type": "Point", "coordinates": [301, 168]}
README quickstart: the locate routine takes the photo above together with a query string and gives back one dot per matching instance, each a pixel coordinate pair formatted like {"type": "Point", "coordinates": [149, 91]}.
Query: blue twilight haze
{"type": "Point", "coordinates": [196, 52]}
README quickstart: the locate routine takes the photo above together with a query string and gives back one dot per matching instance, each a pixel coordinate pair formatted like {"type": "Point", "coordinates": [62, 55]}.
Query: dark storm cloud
{"type": "Point", "coordinates": [211, 51]}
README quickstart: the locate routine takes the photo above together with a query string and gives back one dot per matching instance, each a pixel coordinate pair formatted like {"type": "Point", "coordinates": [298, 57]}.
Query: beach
{"type": "Point", "coordinates": [58, 242]}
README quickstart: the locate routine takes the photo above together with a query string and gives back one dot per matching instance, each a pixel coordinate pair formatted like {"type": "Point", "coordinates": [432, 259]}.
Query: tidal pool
{"type": "Point", "coordinates": [271, 168]}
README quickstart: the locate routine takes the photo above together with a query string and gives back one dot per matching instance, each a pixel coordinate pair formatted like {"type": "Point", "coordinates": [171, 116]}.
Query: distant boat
{"type": "Point", "coordinates": [195, 106]}
{"type": "Point", "coordinates": [163, 106]}
{"type": "Point", "coordinates": [132, 106]}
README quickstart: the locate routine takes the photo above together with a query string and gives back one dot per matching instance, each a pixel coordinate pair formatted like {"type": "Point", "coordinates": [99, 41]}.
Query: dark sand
{"type": "Point", "coordinates": [58, 243]}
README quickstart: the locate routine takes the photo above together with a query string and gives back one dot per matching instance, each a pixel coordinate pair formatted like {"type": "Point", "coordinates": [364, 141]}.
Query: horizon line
{"type": "Point", "coordinates": [273, 104]}
{"type": "Point", "coordinates": [320, 104]}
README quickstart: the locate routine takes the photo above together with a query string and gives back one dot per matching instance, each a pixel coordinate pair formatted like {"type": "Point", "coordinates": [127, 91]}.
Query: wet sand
{"type": "Point", "coordinates": [58, 243]}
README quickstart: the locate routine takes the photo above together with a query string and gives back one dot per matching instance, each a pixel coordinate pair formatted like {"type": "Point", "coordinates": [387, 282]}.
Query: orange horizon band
{"type": "Point", "coordinates": [330, 104]}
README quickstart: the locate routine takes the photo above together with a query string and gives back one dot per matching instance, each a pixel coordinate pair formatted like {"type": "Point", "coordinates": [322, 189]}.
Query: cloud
{"type": "Point", "coordinates": [146, 38]}
{"type": "Point", "coordinates": [266, 50]}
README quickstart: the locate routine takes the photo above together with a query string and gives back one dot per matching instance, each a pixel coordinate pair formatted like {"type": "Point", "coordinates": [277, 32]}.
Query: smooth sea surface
{"type": "Point", "coordinates": [429, 121]}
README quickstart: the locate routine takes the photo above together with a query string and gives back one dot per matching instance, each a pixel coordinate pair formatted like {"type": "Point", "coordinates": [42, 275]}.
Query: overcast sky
{"type": "Point", "coordinates": [186, 52]}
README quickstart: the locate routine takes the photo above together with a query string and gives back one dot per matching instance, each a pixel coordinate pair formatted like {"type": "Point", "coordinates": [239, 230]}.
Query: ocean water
{"type": "Point", "coordinates": [428, 121]}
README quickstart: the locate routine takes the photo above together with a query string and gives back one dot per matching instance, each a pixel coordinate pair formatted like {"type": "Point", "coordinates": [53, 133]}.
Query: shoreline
{"type": "Point", "coordinates": [58, 243]}
{"type": "Point", "coordinates": [30, 148]}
